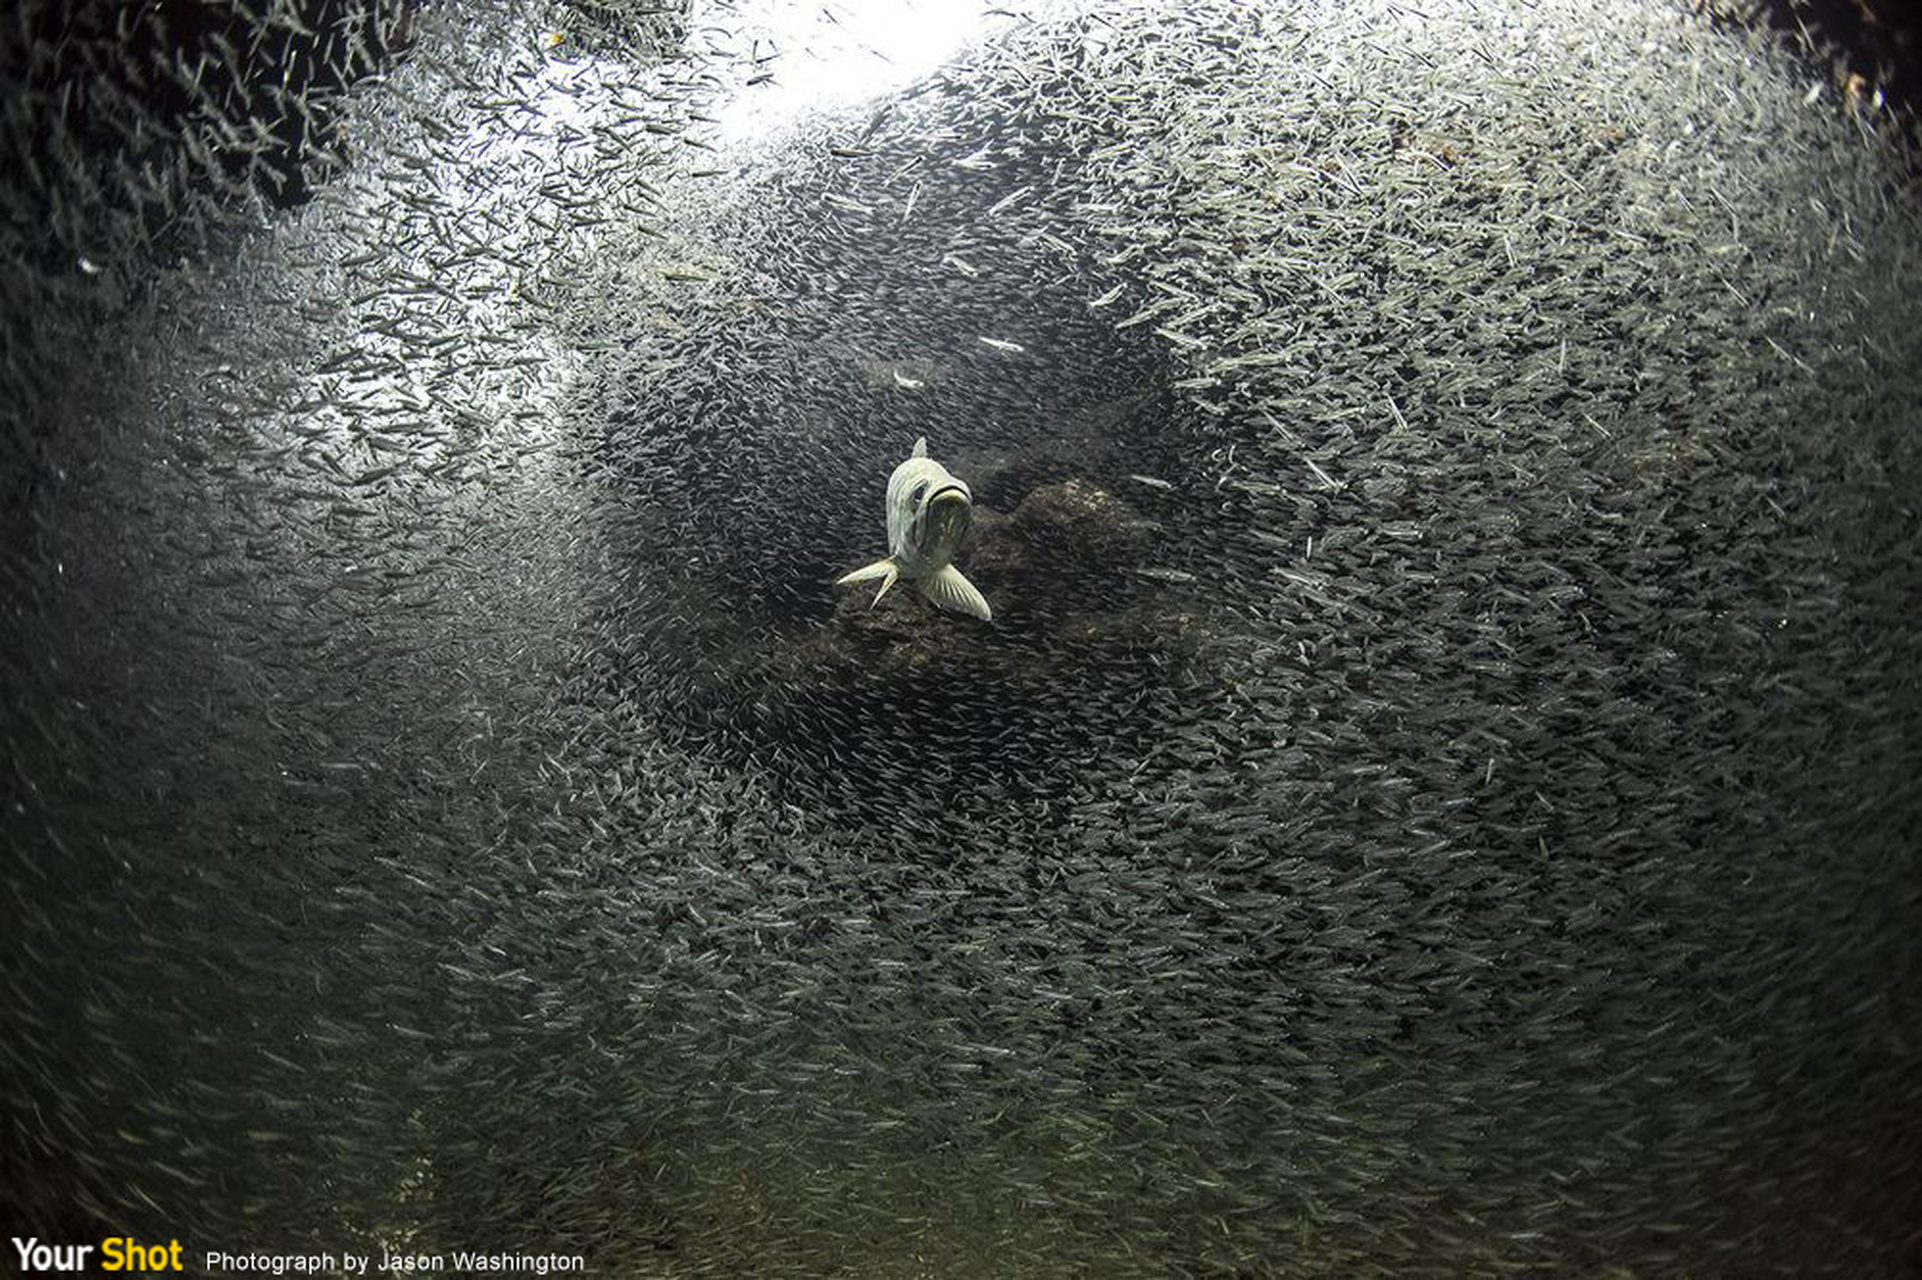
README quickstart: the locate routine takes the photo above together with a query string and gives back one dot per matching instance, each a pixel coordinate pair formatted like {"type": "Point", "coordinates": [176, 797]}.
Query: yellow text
{"type": "Point", "coordinates": [122, 1253]}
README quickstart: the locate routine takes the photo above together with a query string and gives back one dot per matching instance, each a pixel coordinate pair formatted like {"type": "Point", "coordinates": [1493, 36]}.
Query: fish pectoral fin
{"type": "Point", "coordinates": [886, 570]}
{"type": "Point", "coordinates": [951, 590]}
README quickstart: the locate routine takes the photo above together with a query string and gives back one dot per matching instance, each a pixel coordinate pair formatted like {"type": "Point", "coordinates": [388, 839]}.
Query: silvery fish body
{"type": "Point", "coordinates": [928, 514]}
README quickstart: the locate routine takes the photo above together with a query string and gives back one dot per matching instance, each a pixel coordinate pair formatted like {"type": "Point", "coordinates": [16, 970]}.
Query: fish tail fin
{"type": "Point", "coordinates": [951, 590]}
{"type": "Point", "coordinates": [886, 570]}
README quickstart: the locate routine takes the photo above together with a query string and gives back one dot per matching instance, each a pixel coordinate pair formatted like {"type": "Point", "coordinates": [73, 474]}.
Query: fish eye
{"type": "Point", "coordinates": [915, 494]}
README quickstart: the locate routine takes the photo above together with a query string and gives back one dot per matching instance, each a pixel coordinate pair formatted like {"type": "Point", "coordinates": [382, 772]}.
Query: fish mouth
{"type": "Point", "coordinates": [955, 492]}
{"type": "Point", "coordinates": [944, 520]}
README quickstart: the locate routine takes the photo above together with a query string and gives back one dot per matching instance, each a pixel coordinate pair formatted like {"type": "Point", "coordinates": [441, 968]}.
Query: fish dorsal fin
{"type": "Point", "coordinates": [951, 590]}
{"type": "Point", "coordinates": [920, 448]}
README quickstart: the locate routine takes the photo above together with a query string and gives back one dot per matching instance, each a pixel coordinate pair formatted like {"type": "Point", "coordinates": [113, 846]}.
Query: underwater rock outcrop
{"type": "Point", "coordinates": [1069, 561]}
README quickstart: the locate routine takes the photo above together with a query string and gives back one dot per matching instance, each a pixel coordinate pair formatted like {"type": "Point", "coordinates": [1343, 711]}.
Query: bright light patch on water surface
{"type": "Point", "coordinates": [822, 57]}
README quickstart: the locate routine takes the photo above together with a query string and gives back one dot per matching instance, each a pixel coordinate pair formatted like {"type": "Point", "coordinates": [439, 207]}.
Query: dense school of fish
{"type": "Point", "coordinates": [421, 831]}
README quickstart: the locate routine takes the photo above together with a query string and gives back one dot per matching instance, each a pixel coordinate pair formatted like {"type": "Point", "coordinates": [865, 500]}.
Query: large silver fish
{"type": "Point", "coordinates": [928, 512]}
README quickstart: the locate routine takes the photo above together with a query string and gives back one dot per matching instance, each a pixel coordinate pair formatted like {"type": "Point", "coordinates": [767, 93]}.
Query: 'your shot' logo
{"type": "Point", "coordinates": [117, 1253]}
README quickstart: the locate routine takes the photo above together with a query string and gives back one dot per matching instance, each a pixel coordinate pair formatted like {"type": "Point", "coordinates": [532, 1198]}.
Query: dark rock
{"type": "Point", "coordinates": [1059, 539]}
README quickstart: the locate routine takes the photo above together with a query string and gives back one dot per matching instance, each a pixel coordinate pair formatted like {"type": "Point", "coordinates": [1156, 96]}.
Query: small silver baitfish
{"type": "Point", "coordinates": [928, 513]}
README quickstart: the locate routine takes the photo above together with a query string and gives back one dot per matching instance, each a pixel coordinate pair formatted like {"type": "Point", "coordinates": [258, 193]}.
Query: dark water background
{"type": "Point", "coordinates": [1439, 793]}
